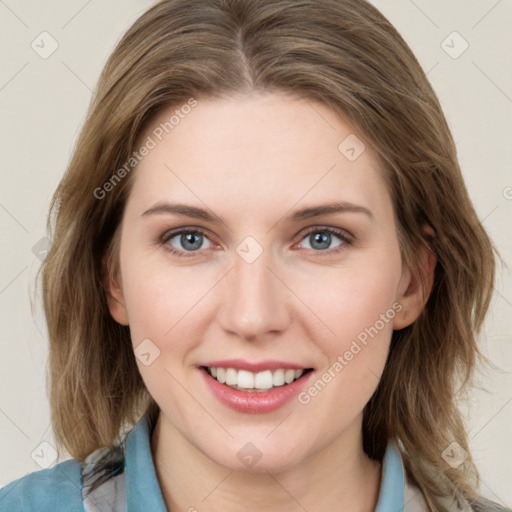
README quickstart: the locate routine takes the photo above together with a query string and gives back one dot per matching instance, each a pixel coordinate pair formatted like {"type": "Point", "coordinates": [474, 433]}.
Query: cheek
{"type": "Point", "coordinates": [359, 343]}
{"type": "Point", "coordinates": [353, 300]}
{"type": "Point", "coordinates": [162, 304]}
{"type": "Point", "coordinates": [167, 306]}
{"type": "Point", "coordinates": [357, 307]}
{"type": "Point", "coordinates": [160, 299]}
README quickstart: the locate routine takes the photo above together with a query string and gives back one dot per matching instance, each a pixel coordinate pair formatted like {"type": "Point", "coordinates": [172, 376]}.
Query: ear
{"type": "Point", "coordinates": [414, 290]}
{"type": "Point", "coordinates": [113, 289]}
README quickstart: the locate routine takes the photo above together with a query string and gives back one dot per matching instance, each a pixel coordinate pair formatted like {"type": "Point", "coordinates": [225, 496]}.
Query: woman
{"type": "Point", "coordinates": [265, 258]}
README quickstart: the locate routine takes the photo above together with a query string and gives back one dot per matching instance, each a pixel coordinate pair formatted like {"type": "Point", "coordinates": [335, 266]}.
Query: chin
{"type": "Point", "coordinates": [257, 457]}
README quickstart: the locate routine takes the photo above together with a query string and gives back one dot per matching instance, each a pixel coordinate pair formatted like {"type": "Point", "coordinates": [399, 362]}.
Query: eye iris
{"type": "Point", "coordinates": [189, 238]}
{"type": "Point", "coordinates": [324, 239]}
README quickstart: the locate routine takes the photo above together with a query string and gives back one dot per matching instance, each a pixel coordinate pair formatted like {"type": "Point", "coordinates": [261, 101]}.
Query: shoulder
{"type": "Point", "coordinates": [413, 498]}
{"type": "Point", "coordinates": [54, 489]}
{"type": "Point", "coordinates": [415, 502]}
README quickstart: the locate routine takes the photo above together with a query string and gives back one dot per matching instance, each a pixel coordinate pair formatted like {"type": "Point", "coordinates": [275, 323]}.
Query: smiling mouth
{"type": "Point", "coordinates": [265, 381]}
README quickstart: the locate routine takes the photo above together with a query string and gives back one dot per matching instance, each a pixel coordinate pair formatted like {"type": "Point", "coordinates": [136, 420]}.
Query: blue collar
{"type": "Point", "coordinates": [391, 494]}
{"type": "Point", "coordinates": [144, 493]}
{"type": "Point", "coordinates": [142, 488]}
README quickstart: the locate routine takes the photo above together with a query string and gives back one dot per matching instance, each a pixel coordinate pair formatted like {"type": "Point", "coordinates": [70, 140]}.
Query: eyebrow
{"type": "Point", "coordinates": [185, 210]}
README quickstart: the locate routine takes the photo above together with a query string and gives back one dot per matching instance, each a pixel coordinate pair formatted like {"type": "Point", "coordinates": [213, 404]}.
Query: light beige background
{"type": "Point", "coordinates": [43, 104]}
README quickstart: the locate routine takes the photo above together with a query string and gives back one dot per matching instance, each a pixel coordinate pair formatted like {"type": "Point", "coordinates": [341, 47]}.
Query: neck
{"type": "Point", "coordinates": [338, 477]}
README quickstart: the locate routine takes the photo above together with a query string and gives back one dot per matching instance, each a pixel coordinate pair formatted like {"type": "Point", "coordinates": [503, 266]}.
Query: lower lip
{"type": "Point", "coordinates": [255, 402]}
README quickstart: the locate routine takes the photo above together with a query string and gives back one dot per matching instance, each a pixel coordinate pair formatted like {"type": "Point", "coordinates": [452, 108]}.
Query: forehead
{"type": "Point", "coordinates": [255, 152]}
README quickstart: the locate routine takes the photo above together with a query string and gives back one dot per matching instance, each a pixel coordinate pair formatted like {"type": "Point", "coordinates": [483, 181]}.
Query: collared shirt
{"type": "Point", "coordinates": [124, 479]}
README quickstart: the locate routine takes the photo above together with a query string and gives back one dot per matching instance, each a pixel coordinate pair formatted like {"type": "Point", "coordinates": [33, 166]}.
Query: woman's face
{"type": "Point", "coordinates": [254, 276]}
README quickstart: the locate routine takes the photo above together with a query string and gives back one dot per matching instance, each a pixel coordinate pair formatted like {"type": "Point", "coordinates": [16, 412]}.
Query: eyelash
{"type": "Point", "coordinates": [345, 238]}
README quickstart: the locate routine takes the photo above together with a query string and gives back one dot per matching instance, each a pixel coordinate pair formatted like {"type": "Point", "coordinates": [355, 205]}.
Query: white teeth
{"type": "Point", "coordinates": [289, 375]}
{"type": "Point", "coordinates": [260, 381]}
{"type": "Point", "coordinates": [245, 379]}
{"type": "Point", "coordinates": [278, 378]}
{"type": "Point", "coordinates": [231, 379]}
{"type": "Point", "coordinates": [263, 380]}
{"type": "Point", "coordinates": [221, 375]}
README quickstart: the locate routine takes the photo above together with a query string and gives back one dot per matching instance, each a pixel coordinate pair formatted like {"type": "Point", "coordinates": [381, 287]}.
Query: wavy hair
{"type": "Point", "coordinates": [345, 54]}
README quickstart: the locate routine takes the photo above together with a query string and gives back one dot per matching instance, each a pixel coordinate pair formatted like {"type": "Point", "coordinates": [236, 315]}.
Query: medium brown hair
{"type": "Point", "coordinates": [345, 54]}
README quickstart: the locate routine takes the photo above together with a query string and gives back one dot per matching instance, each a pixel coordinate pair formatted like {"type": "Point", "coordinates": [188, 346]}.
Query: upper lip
{"type": "Point", "coordinates": [254, 366]}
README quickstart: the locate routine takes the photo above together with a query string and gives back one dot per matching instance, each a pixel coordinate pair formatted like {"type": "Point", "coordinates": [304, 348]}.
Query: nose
{"type": "Point", "coordinates": [256, 301]}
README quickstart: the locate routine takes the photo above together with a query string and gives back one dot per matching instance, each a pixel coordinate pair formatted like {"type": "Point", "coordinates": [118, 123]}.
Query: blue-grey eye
{"type": "Point", "coordinates": [321, 240]}
{"type": "Point", "coordinates": [189, 240]}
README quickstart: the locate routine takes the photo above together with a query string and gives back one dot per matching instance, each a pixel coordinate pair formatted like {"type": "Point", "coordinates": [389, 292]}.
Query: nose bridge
{"type": "Point", "coordinates": [255, 299]}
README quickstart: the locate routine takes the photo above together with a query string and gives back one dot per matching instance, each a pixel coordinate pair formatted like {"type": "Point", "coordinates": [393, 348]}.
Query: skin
{"type": "Point", "coordinates": [254, 160]}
